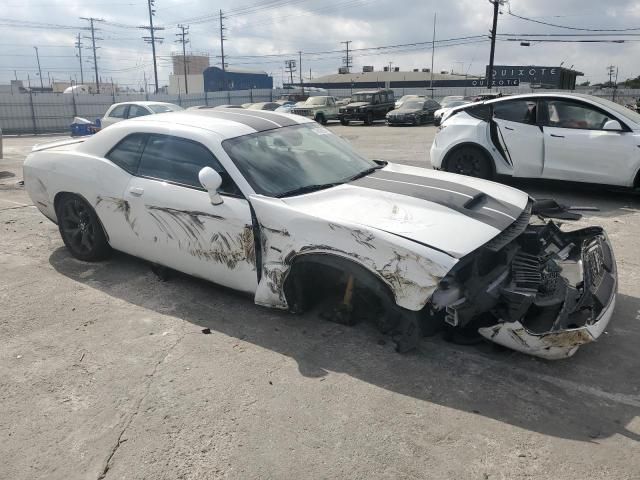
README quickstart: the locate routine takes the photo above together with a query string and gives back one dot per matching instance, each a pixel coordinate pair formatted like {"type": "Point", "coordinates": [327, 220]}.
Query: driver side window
{"type": "Point", "coordinates": [566, 114]}
{"type": "Point", "coordinates": [178, 160]}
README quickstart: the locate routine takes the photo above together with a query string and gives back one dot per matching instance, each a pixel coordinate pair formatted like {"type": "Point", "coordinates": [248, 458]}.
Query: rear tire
{"type": "Point", "coordinates": [369, 119]}
{"type": "Point", "coordinates": [470, 161]}
{"type": "Point", "coordinates": [81, 230]}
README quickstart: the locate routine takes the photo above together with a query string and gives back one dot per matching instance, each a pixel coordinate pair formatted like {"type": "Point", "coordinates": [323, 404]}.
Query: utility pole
{"type": "Point", "coordinates": [300, 70]}
{"type": "Point", "coordinates": [347, 60]}
{"type": "Point", "coordinates": [93, 46]}
{"type": "Point", "coordinates": [496, 7]}
{"type": "Point", "coordinates": [40, 71]}
{"type": "Point", "coordinates": [182, 38]}
{"type": "Point", "coordinates": [290, 66]}
{"type": "Point", "coordinates": [611, 69]}
{"type": "Point", "coordinates": [79, 55]}
{"type": "Point", "coordinates": [152, 39]}
{"type": "Point", "coordinates": [433, 53]}
{"type": "Point", "coordinates": [222, 39]}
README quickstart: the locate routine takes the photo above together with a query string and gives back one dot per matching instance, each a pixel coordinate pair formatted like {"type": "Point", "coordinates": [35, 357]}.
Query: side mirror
{"type": "Point", "coordinates": [211, 181]}
{"type": "Point", "coordinates": [612, 125]}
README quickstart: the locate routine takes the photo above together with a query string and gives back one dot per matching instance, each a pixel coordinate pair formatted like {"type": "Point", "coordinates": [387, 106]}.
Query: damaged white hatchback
{"type": "Point", "coordinates": [278, 206]}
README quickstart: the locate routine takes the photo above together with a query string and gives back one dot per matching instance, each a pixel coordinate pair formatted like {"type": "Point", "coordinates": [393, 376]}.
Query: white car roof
{"type": "Point", "coordinates": [228, 123]}
{"type": "Point", "coordinates": [143, 102]}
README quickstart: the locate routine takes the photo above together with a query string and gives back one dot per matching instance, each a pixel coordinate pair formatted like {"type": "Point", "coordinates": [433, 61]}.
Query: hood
{"type": "Point", "coordinates": [404, 111]}
{"type": "Point", "coordinates": [451, 213]}
{"type": "Point", "coordinates": [357, 104]}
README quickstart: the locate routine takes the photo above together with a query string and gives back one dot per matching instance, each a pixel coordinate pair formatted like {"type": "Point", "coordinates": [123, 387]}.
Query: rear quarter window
{"type": "Point", "coordinates": [126, 154]}
{"type": "Point", "coordinates": [481, 112]}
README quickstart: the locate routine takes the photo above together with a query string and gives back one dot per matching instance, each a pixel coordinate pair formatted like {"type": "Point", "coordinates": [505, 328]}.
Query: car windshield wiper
{"type": "Point", "coordinates": [366, 172]}
{"type": "Point", "coordinates": [322, 186]}
{"type": "Point", "coordinates": [307, 189]}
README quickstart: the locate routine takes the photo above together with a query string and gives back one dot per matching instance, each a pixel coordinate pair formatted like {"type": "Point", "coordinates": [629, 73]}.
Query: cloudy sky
{"type": "Point", "coordinates": [263, 33]}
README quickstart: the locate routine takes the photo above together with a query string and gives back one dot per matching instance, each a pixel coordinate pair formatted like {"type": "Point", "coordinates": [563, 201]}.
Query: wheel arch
{"type": "Point", "coordinates": [482, 148]}
{"type": "Point", "coordinates": [60, 195]}
{"type": "Point", "coordinates": [363, 275]}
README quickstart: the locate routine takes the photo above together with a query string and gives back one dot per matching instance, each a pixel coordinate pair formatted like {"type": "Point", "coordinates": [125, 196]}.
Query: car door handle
{"type": "Point", "coordinates": [508, 128]}
{"type": "Point", "coordinates": [557, 136]}
{"type": "Point", "coordinates": [137, 191]}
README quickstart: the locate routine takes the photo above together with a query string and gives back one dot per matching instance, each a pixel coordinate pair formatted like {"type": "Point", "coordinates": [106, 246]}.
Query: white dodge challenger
{"type": "Point", "coordinates": [278, 206]}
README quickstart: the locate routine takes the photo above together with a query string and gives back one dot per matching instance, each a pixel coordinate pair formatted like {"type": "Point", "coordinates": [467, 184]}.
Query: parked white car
{"type": "Point", "coordinates": [560, 136]}
{"type": "Point", "coordinates": [280, 207]}
{"type": "Point", "coordinates": [122, 111]}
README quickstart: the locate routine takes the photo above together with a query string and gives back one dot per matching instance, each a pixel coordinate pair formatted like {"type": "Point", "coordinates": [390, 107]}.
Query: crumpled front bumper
{"type": "Point", "coordinates": [563, 343]}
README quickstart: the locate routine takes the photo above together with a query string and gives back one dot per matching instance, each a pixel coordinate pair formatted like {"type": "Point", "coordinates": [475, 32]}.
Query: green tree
{"type": "Point", "coordinates": [632, 82]}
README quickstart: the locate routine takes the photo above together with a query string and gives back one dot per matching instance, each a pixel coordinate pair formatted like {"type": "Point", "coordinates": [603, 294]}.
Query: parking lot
{"type": "Point", "coordinates": [105, 371]}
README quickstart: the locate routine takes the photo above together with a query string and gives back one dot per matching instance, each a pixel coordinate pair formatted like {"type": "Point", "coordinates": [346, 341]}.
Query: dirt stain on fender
{"type": "Point", "coordinates": [120, 205]}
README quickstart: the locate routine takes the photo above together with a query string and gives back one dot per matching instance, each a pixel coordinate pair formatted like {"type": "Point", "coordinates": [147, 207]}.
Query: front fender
{"type": "Point", "coordinates": [411, 271]}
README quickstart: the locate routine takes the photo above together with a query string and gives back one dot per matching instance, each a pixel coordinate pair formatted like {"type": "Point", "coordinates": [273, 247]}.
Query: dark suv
{"type": "Point", "coordinates": [367, 106]}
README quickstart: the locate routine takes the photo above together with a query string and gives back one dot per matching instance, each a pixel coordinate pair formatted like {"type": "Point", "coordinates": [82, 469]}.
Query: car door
{"type": "Point", "coordinates": [112, 179]}
{"type": "Point", "coordinates": [514, 131]}
{"type": "Point", "coordinates": [179, 227]}
{"type": "Point", "coordinates": [577, 148]}
{"type": "Point", "coordinates": [114, 115]}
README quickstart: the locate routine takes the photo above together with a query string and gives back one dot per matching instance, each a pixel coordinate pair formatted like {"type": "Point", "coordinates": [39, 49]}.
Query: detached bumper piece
{"type": "Point", "coordinates": [545, 294]}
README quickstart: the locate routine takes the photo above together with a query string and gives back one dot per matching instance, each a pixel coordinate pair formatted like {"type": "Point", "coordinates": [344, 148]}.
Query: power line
{"type": "Point", "coordinates": [571, 28]}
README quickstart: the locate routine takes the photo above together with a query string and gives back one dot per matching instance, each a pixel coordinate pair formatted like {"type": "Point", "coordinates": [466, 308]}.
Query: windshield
{"type": "Point", "coordinates": [315, 101]}
{"type": "Point", "coordinates": [290, 158]}
{"type": "Point", "coordinates": [412, 105]}
{"type": "Point", "coordinates": [362, 97]}
{"type": "Point", "coordinates": [159, 108]}
{"type": "Point", "coordinates": [619, 109]}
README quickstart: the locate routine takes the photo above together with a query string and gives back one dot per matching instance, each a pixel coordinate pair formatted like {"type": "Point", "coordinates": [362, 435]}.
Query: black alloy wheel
{"type": "Point", "coordinates": [344, 121]}
{"type": "Point", "coordinates": [469, 161]}
{"type": "Point", "coordinates": [81, 230]}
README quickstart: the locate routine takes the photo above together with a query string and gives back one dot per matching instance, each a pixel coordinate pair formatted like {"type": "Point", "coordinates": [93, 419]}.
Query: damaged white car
{"type": "Point", "coordinates": [278, 206]}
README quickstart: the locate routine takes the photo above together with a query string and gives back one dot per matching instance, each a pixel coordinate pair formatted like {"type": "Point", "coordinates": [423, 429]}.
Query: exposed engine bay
{"type": "Point", "coordinates": [534, 288]}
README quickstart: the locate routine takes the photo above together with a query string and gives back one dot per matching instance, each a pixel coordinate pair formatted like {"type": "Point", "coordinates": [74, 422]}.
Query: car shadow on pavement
{"type": "Point", "coordinates": [591, 396]}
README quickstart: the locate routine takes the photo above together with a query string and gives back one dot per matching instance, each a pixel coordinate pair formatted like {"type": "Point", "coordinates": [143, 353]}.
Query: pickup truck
{"type": "Point", "coordinates": [320, 108]}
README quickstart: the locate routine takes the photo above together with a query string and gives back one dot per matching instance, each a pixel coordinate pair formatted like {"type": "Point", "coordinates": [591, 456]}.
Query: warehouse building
{"type": "Point", "coordinates": [234, 78]}
{"type": "Point", "coordinates": [389, 78]}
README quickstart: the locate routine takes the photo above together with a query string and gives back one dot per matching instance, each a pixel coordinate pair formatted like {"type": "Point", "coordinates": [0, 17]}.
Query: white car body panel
{"type": "Point", "coordinates": [572, 154]}
{"type": "Point", "coordinates": [407, 226]}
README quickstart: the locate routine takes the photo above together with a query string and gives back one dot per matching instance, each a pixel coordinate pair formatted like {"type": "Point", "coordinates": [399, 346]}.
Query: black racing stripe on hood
{"type": "Point", "coordinates": [480, 198]}
{"type": "Point", "coordinates": [449, 199]}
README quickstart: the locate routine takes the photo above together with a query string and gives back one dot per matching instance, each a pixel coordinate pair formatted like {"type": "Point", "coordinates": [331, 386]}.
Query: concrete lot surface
{"type": "Point", "coordinates": [105, 371]}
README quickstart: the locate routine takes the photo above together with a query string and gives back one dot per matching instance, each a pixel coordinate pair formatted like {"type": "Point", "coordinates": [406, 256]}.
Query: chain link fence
{"type": "Point", "coordinates": [34, 113]}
